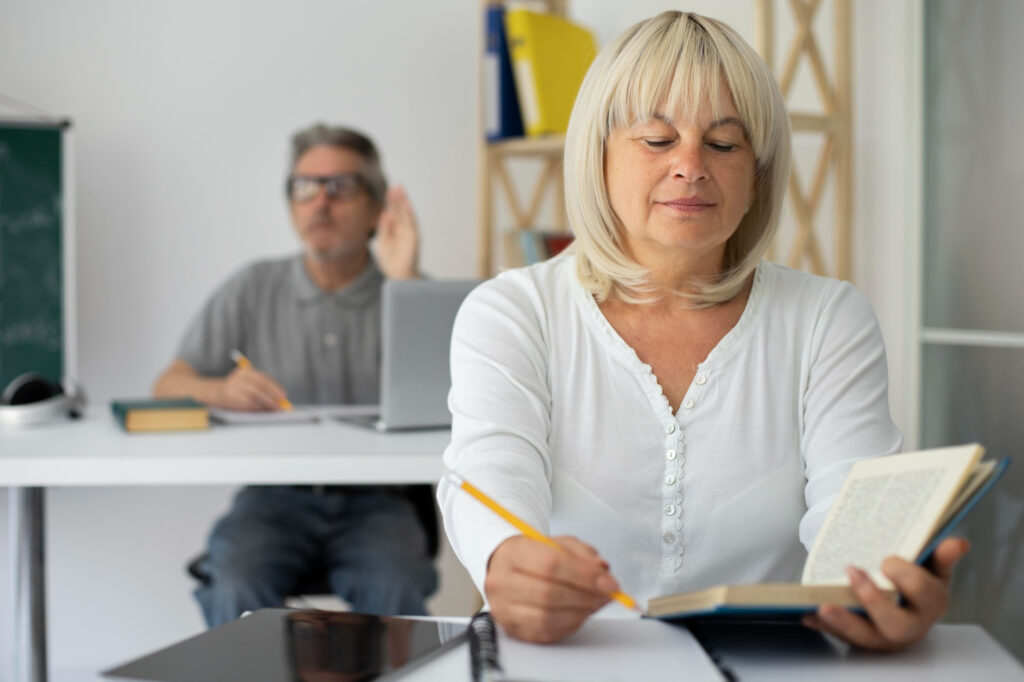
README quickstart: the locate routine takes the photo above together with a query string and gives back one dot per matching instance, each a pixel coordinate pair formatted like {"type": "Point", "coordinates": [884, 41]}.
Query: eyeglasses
{"type": "Point", "coordinates": [343, 186]}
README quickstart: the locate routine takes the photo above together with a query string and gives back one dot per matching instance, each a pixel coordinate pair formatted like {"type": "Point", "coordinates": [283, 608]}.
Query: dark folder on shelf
{"type": "Point", "coordinates": [501, 103]}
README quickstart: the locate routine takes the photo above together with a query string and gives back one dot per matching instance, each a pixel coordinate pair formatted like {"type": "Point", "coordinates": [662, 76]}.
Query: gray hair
{"type": "Point", "coordinates": [678, 58]}
{"type": "Point", "coordinates": [320, 134]}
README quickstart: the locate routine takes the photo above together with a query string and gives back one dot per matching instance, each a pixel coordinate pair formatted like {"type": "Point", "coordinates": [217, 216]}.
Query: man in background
{"type": "Point", "coordinates": [309, 324]}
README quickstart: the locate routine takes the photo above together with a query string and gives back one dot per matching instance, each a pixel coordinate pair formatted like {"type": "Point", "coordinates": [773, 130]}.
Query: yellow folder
{"type": "Point", "coordinates": [550, 56]}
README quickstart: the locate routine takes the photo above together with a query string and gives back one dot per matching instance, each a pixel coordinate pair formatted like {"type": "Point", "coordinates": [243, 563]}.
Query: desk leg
{"type": "Point", "coordinates": [28, 656]}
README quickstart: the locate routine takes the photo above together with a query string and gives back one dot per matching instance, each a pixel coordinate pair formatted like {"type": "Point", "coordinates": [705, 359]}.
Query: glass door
{"type": "Point", "coordinates": [972, 335]}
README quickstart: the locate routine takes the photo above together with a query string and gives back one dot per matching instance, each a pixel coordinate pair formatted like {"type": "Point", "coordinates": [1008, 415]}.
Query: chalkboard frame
{"type": "Point", "coordinates": [69, 378]}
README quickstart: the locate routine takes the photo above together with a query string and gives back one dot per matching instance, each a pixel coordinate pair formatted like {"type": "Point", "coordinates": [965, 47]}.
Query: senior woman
{"type": "Point", "coordinates": [678, 412]}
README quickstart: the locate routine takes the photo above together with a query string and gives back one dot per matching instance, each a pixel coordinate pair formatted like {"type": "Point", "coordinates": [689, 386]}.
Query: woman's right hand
{"type": "Point", "coordinates": [540, 594]}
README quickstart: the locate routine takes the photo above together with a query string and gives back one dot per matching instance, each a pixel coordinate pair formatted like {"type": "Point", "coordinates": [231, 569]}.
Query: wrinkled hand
{"type": "Point", "coordinates": [540, 594]}
{"type": "Point", "coordinates": [249, 389]}
{"type": "Point", "coordinates": [397, 243]}
{"type": "Point", "coordinates": [888, 626]}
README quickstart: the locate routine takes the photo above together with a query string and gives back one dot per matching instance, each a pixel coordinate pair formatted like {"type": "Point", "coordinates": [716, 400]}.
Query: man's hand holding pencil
{"type": "Point", "coordinates": [247, 388]}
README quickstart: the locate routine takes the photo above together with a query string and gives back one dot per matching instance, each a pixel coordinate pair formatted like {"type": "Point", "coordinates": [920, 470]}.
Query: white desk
{"type": "Point", "coordinates": [262, 648]}
{"type": "Point", "coordinates": [758, 653]}
{"type": "Point", "coordinates": [95, 451]}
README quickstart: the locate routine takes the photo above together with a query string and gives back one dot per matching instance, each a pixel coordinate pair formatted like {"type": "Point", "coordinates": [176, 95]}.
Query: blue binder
{"type": "Point", "coordinates": [501, 103]}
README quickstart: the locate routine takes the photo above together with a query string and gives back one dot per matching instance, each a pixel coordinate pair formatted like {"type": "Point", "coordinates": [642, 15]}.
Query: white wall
{"type": "Point", "coordinates": [182, 112]}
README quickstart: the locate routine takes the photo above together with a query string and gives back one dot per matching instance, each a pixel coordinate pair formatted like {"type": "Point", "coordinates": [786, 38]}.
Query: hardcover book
{"type": "Point", "coordinates": [160, 414]}
{"type": "Point", "coordinates": [901, 505]}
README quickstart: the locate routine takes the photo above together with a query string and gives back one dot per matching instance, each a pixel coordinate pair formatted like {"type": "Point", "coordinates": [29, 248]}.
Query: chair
{"type": "Point", "coordinates": [422, 498]}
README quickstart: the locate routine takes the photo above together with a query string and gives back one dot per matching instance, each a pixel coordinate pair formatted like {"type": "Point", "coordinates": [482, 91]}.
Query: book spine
{"type": "Point", "coordinates": [521, 51]}
{"type": "Point", "coordinates": [120, 414]}
{"type": "Point", "coordinates": [529, 242]}
{"type": "Point", "coordinates": [513, 250]}
{"type": "Point", "coordinates": [502, 116]}
{"type": "Point", "coordinates": [554, 244]}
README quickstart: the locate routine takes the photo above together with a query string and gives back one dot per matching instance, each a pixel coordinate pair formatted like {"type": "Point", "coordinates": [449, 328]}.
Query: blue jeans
{"type": "Point", "coordinates": [365, 540]}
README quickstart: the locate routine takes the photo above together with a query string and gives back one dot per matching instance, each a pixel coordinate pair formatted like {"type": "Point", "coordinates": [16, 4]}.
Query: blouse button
{"type": "Point", "coordinates": [670, 479]}
{"type": "Point", "coordinates": [671, 428]}
{"type": "Point", "coordinates": [701, 379]}
{"type": "Point", "coordinates": [671, 454]}
{"type": "Point", "coordinates": [669, 538]}
{"type": "Point", "coordinates": [688, 403]}
{"type": "Point", "coordinates": [670, 509]}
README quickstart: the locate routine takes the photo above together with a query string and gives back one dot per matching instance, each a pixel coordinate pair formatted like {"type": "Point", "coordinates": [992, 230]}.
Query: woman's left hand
{"type": "Point", "coordinates": [888, 626]}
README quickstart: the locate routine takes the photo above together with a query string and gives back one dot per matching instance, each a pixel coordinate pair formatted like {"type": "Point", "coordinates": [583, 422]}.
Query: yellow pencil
{"type": "Point", "coordinates": [244, 363]}
{"type": "Point", "coordinates": [525, 528]}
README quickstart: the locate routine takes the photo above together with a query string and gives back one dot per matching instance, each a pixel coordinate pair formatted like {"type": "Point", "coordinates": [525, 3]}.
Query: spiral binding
{"type": "Point", "coordinates": [483, 649]}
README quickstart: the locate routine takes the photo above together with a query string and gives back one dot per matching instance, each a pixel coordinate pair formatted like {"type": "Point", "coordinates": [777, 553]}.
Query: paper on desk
{"type": "Point", "coordinates": [611, 650]}
{"type": "Point", "coordinates": [302, 414]}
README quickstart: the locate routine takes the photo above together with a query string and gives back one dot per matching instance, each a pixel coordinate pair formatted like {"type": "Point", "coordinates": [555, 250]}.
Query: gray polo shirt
{"type": "Point", "coordinates": [322, 347]}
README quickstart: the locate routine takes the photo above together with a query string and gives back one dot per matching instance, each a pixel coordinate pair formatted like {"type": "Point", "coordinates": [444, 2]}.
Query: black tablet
{"type": "Point", "coordinates": [283, 645]}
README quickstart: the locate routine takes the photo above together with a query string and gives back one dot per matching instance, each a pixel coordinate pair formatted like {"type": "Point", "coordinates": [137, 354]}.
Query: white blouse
{"type": "Point", "coordinates": [556, 417]}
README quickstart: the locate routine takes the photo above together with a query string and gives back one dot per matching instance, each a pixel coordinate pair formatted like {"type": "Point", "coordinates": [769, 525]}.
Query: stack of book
{"type": "Point", "coordinates": [160, 414]}
{"type": "Point", "coordinates": [534, 65]}
{"type": "Point", "coordinates": [526, 247]}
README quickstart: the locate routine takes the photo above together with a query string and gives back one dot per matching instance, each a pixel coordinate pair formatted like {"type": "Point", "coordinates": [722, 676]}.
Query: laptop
{"type": "Point", "coordinates": [416, 330]}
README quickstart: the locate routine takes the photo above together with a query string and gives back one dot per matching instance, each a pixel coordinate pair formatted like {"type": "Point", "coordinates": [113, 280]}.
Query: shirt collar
{"type": "Point", "coordinates": [357, 292]}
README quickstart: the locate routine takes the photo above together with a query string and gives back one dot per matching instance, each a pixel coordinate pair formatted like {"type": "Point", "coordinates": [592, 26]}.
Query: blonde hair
{"type": "Point", "coordinates": [679, 58]}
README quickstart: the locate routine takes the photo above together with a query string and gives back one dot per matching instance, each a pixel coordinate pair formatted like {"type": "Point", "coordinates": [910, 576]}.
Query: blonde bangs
{"type": "Point", "coordinates": [678, 70]}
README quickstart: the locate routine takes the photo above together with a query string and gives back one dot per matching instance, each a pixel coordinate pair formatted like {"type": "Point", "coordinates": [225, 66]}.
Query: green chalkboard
{"type": "Point", "coordinates": [31, 252]}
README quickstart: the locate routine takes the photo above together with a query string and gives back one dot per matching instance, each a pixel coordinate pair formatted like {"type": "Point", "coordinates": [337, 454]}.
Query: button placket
{"type": "Point", "coordinates": [671, 509]}
{"type": "Point", "coordinates": [696, 389]}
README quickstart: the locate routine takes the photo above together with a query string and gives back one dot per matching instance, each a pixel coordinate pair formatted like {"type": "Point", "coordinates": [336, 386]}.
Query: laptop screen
{"type": "Point", "coordinates": [417, 319]}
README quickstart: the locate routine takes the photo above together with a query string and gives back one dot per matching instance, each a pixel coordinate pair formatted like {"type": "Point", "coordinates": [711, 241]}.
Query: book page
{"type": "Point", "coordinates": [978, 478]}
{"type": "Point", "coordinates": [887, 506]}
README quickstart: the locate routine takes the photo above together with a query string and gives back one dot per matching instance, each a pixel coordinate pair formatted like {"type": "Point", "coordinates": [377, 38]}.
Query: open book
{"type": "Point", "coordinates": [901, 505]}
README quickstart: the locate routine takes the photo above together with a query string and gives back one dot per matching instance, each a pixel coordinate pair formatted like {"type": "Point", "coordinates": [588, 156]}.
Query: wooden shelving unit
{"type": "Point", "coordinates": [523, 204]}
{"type": "Point", "coordinates": [833, 124]}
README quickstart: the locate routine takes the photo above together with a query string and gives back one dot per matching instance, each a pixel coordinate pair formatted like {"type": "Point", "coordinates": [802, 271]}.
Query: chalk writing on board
{"type": "Point", "coordinates": [43, 218]}
{"type": "Point", "coordinates": [36, 332]}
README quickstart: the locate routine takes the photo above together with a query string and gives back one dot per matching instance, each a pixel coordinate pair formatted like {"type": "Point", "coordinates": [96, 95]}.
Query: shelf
{"type": "Point", "coordinates": [506, 169]}
{"type": "Point", "coordinates": [528, 146]}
